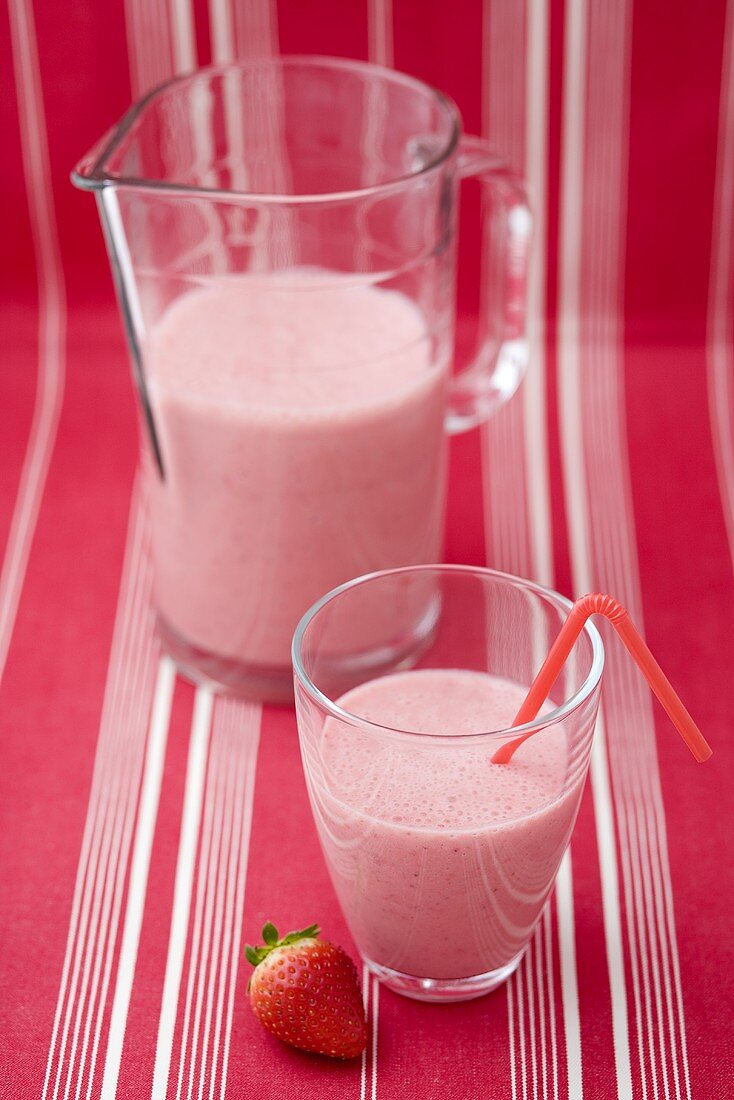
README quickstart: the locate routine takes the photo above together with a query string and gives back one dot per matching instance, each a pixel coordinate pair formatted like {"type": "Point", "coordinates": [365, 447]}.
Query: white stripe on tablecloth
{"type": "Point", "coordinates": [214, 769]}
{"type": "Point", "coordinates": [571, 177]}
{"type": "Point", "coordinates": [538, 496]}
{"type": "Point", "coordinates": [636, 780]}
{"type": "Point", "coordinates": [222, 31]}
{"type": "Point", "coordinates": [375, 1032]}
{"type": "Point", "coordinates": [507, 526]}
{"type": "Point", "coordinates": [506, 508]}
{"type": "Point", "coordinates": [218, 978]}
{"type": "Point", "coordinates": [380, 32]}
{"type": "Point", "coordinates": [569, 365]}
{"type": "Point", "coordinates": [517, 981]}
{"type": "Point", "coordinates": [141, 690]}
{"type": "Point", "coordinates": [51, 316]}
{"type": "Point", "coordinates": [381, 51]}
{"type": "Point", "coordinates": [147, 813]}
{"type": "Point", "coordinates": [183, 36]}
{"type": "Point", "coordinates": [529, 967]}
{"type": "Point", "coordinates": [518, 521]}
{"type": "Point", "coordinates": [548, 935]}
{"type": "Point", "coordinates": [537, 95]}
{"type": "Point", "coordinates": [149, 53]}
{"type": "Point", "coordinates": [719, 328]}
{"type": "Point", "coordinates": [249, 728]}
{"type": "Point", "coordinates": [511, 1037]}
{"type": "Point", "coordinates": [539, 954]}
{"type": "Point", "coordinates": [161, 40]}
{"type": "Point", "coordinates": [219, 917]}
{"type": "Point", "coordinates": [624, 771]}
{"type": "Point", "coordinates": [240, 725]}
{"type": "Point", "coordinates": [132, 34]}
{"type": "Point", "coordinates": [236, 868]}
{"type": "Point", "coordinates": [108, 869]}
{"type": "Point", "coordinates": [571, 446]}
{"type": "Point", "coordinates": [191, 815]}
{"type": "Point", "coordinates": [216, 824]}
{"type": "Point", "coordinates": [245, 30]}
{"type": "Point", "coordinates": [569, 977]}
{"type": "Point", "coordinates": [366, 976]}
{"type": "Point", "coordinates": [99, 805]}
{"type": "Point", "coordinates": [569, 289]}
{"type": "Point", "coordinates": [208, 870]}
{"type": "Point", "coordinates": [103, 858]}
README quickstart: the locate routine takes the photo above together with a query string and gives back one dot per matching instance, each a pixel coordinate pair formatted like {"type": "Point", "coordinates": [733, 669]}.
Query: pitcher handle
{"type": "Point", "coordinates": [502, 354]}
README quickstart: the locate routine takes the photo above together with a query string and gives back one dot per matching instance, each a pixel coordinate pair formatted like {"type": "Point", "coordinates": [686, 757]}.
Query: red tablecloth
{"type": "Point", "coordinates": [147, 829]}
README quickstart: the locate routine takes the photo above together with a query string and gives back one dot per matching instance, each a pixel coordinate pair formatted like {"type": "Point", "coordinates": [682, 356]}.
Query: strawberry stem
{"type": "Point", "coordinates": [255, 955]}
{"type": "Point", "coordinates": [270, 933]}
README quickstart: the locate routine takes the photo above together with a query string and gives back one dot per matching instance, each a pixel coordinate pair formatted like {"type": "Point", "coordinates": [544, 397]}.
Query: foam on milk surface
{"type": "Point", "coordinates": [440, 787]}
{"type": "Point", "coordinates": [298, 341]}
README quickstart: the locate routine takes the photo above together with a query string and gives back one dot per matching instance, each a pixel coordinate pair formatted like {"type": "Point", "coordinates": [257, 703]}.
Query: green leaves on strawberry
{"type": "Point", "coordinates": [306, 992]}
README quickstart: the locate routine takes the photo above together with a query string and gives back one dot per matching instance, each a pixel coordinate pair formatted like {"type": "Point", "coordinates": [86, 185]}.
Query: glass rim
{"type": "Point", "coordinates": [558, 714]}
{"type": "Point", "coordinates": [90, 173]}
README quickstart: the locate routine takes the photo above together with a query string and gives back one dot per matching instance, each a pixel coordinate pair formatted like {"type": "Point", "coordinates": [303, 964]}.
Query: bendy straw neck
{"type": "Point", "coordinates": [601, 604]}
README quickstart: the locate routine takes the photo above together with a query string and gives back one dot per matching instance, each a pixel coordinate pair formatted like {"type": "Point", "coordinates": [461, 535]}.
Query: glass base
{"type": "Point", "coordinates": [261, 683]}
{"type": "Point", "coordinates": [443, 990]}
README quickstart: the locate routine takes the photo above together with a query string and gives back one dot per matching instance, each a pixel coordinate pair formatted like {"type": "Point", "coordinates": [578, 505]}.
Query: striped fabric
{"type": "Point", "coordinates": [147, 828]}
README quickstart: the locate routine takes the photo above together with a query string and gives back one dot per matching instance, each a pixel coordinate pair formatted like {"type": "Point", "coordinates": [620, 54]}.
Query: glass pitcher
{"type": "Point", "coordinates": [283, 239]}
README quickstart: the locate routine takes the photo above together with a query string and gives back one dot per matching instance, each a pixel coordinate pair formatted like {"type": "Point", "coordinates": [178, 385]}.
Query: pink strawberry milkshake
{"type": "Point", "coordinates": [442, 862]}
{"type": "Point", "coordinates": [301, 420]}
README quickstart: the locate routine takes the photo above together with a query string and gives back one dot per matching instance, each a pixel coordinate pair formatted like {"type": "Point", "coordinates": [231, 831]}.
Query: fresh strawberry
{"type": "Point", "coordinates": [306, 992]}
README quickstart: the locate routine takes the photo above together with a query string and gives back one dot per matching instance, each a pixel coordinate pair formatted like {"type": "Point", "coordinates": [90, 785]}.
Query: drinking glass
{"type": "Point", "coordinates": [441, 860]}
{"type": "Point", "coordinates": [283, 238]}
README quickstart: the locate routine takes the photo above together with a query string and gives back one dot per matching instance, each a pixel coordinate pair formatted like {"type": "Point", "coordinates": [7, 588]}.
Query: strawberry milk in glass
{"type": "Point", "coordinates": [283, 238]}
{"type": "Point", "coordinates": [441, 859]}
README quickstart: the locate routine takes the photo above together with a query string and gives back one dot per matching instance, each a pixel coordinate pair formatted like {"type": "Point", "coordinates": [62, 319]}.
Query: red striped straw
{"type": "Point", "coordinates": [599, 604]}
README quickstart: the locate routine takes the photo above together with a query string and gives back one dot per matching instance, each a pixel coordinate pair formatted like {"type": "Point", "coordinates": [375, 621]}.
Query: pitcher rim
{"type": "Point", "coordinates": [90, 173]}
